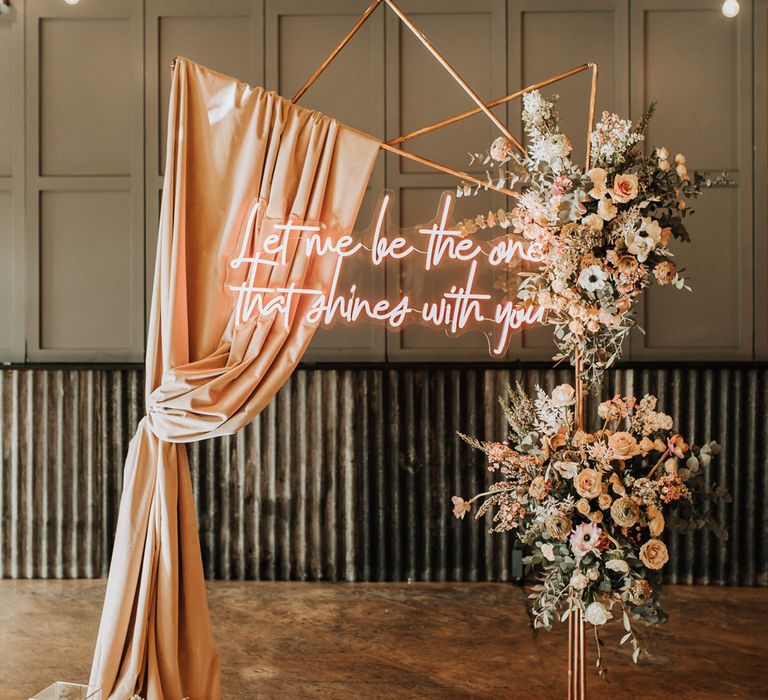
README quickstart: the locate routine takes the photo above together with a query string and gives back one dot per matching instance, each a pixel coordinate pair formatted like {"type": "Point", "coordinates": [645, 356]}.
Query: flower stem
{"type": "Point", "coordinates": [656, 466]}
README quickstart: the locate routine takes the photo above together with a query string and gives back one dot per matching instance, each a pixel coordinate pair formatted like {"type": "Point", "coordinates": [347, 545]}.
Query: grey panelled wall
{"type": "Point", "coordinates": [84, 92]}
{"type": "Point", "coordinates": [347, 475]}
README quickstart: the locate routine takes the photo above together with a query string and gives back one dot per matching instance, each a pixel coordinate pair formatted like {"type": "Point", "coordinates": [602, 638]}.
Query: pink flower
{"type": "Point", "coordinates": [460, 507]}
{"type": "Point", "coordinates": [561, 185]}
{"type": "Point", "coordinates": [677, 446]}
{"type": "Point", "coordinates": [586, 538]}
{"type": "Point", "coordinates": [497, 452]}
{"type": "Point", "coordinates": [500, 149]}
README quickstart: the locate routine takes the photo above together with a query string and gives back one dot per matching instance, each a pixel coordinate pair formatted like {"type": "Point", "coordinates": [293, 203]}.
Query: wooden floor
{"type": "Point", "coordinates": [286, 640]}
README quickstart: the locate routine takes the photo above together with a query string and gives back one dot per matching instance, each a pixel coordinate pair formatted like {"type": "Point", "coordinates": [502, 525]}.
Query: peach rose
{"type": "Point", "coordinates": [604, 500]}
{"type": "Point", "coordinates": [623, 445]}
{"type": "Point", "coordinates": [625, 187]}
{"type": "Point", "coordinates": [582, 505]}
{"type": "Point", "coordinates": [654, 554]}
{"type": "Point", "coordinates": [588, 483]}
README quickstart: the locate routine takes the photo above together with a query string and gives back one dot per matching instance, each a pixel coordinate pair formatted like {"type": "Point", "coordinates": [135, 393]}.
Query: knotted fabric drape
{"type": "Point", "coordinates": [229, 145]}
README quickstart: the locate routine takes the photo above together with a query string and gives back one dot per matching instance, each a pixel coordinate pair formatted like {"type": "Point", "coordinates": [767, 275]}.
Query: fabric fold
{"type": "Point", "coordinates": [229, 145]}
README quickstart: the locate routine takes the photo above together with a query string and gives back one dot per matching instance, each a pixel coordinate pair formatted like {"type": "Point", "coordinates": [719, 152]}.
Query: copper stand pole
{"type": "Point", "coordinates": [577, 679]}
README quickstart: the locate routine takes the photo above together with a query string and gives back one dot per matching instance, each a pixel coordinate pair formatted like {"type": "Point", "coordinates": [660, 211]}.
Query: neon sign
{"type": "Point", "coordinates": [263, 292]}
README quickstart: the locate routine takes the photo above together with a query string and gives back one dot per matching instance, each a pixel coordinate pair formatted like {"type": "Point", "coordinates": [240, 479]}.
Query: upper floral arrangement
{"type": "Point", "coordinates": [604, 233]}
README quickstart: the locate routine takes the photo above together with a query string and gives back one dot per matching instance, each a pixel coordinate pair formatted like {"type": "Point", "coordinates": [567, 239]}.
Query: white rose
{"type": "Point", "coordinates": [578, 581]}
{"type": "Point", "coordinates": [597, 614]}
{"type": "Point", "coordinates": [606, 209]}
{"type": "Point", "coordinates": [567, 469]}
{"type": "Point", "coordinates": [664, 165]}
{"type": "Point", "coordinates": [563, 395]}
{"type": "Point", "coordinates": [680, 158]}
{"type": "Point", "coordinates": [682, 172]}
{"type": "Point", "coordinates": [617, 565]}
{"type": "Point", "coordinates": [548, 550]}
{"type": "Point", "coordinates": [662, 153]}
{"type": "Point", "coordinates": [593, 278]}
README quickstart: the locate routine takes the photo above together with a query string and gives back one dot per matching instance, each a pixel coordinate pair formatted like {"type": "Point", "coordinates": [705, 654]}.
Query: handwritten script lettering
{"type": "Point", "coordinates": [270, 255]}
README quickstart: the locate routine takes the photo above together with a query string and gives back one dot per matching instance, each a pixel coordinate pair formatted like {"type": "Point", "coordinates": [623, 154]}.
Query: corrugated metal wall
{"type": "Point", "coordinates": [346, 476]}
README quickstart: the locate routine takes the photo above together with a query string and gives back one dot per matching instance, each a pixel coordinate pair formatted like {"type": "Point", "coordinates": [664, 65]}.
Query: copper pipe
{"type": "Point", "coordinates": [592, 102]}
{"type": "Point", "coordinates": [571, 650]}
{"type": "Point", "coordinates": [452, 72]}
{"type": "Point", "coordinates": [451, 171]}
{"type": "Point", "coordinates": [495, 103]}
{"type": "Point", "coordinates": [578, 682]}
{"type": "Point", "coordinates": [336, 50]}
{"type": "Point", "coordinates": [579, 367]}
{"type": "Point", "coordinates": [582, 669]}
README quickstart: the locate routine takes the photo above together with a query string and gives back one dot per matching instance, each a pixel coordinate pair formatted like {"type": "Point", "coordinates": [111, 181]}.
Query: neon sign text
{"type": "Point", "coordinates": [264, 292]}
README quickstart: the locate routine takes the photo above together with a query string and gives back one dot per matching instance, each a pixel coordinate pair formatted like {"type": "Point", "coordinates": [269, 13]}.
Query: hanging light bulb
{"type": "Point", "coordinates": [74, 2]}
{"type": "Point", "coordinates": [731, 8]}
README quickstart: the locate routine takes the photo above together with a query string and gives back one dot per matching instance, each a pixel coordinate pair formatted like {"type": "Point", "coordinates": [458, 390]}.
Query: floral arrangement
{"type": "Point", "coordinates": [604, 234]}
{"type": "Point", "coordinates": [590, 507]}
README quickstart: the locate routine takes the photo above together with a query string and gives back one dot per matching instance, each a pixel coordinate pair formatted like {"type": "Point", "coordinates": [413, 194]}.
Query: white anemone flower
{"type": "Point", "coordinates": [593, 278]}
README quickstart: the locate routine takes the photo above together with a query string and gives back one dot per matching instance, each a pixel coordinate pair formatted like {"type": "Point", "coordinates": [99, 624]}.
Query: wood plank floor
{"type": "Point", "coordinates": [293, 640]}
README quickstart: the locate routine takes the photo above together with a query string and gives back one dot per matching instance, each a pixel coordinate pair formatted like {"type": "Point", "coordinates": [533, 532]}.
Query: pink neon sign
{"type": "Point", "coordinates": [263, 291]}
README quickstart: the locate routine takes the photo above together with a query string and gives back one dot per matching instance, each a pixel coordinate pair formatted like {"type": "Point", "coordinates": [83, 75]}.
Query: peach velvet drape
{"type": "Point", "coordinates": [229, 145]}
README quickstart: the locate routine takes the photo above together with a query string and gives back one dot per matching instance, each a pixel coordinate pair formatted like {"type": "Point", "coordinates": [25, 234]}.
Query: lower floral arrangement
{"type": "Point", "coordinates": [590, 508]}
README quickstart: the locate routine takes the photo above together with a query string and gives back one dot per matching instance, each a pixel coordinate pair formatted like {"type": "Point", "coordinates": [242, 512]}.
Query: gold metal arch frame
{"type": "Point", "coordinates": [391, 145]}
{"type": "Point", "coordinates": [577, 688]}
{"type": "Point", "coordinates": [577, 684]}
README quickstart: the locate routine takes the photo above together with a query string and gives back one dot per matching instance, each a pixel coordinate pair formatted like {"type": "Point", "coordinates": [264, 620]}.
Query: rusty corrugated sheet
{"type": "Point", "coordinates": [347, 475]}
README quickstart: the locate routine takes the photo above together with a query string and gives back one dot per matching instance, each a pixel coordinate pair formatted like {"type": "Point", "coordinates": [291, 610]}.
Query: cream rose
{"type": "Point", "coordinates": [548, 551]}
{"type": "Point", "coordinates": [617, 565]}
{"type": "Point", "coordinates": [588, 483]}
{"type": "Point", "coordinates": [597, 614]}
{"type": "Point", "coordinates": [623, 445]}
{"type": "Point", "coordinates": [578, 581]}
{"type": "Point", "coordinates": [566, 469]}
{"type": "Point", "coordinates": [563, 395]}
{"type": "Point", "coordinates": [654, 554]}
